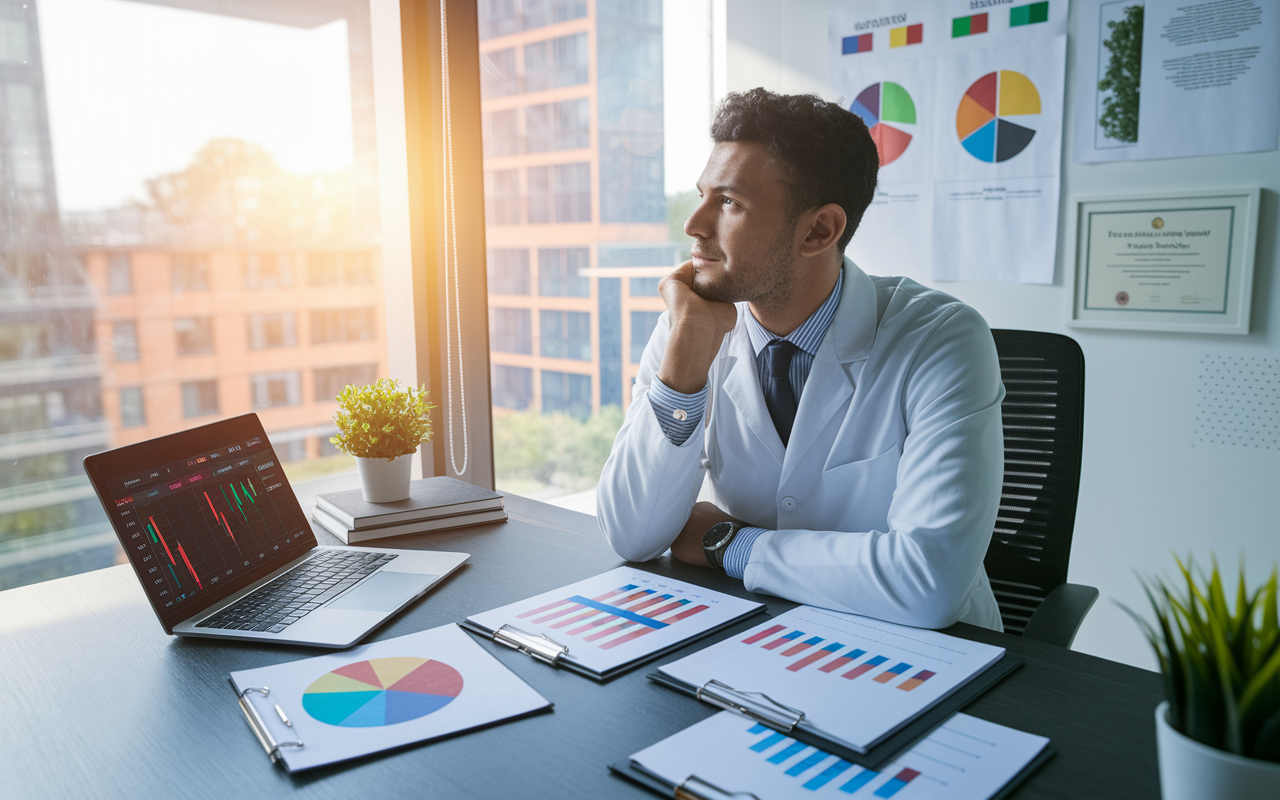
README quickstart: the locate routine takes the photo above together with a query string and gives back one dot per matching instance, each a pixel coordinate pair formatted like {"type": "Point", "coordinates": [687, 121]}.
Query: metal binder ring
{"type": "Point", "coordinates": [263, 690]}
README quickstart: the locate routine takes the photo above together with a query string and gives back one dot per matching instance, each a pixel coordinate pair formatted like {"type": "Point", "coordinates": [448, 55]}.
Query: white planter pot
{"type": "Point", "coordinates": [384, 481]}
{"type": "Point", "coordinates": [1190, 770]}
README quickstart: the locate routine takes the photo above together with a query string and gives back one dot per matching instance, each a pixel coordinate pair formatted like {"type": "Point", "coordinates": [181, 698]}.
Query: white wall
{"type": "Point", "coordinates": [1147, 488]}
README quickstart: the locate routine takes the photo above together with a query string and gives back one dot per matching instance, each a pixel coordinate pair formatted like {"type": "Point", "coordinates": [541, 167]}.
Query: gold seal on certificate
{"type": "Point", "coordinates": [1175, 263]}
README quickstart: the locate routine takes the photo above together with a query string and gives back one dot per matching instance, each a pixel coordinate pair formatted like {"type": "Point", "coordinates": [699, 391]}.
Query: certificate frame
{"type": "Point", "coordinates": [1229, 315]}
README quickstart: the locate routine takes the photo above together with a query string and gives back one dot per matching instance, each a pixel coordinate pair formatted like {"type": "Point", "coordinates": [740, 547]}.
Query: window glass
{"type": "Point", "coordinates": [190, 272]}
{"type": "Point", "coordinates": [330, 381]}
{"type": "Point", "coordinates": [566, 334]}
{"type": "Point", "coordinates": [559, 272]}
{"type": "Point", "coordinates": [274, 389]}
{"type": "Point", "coordinates": [342, 325]}
{"type": "Point", "coordinates": [124, 340]}
{"type": "Point", "coordinates": [642, 325]}
{"type": "Point", "coordinates": [119, 274]}
{"type": "Point", "coordinates": [588, 197]}
{"type": "Point", "coordinates": [194, 335]}
{"type": "Point", "coordinates": [511, 330]}
{"type": "Point", "coordinates": [166, 176]}
{"type": "Point", "coordinates": [132, 412]}
{"type": "Point", "coordinates": [199, 398]}
{"type": "Point", "coordinates": [509, 271]}
{"type": "Point", "coordinates": [272, 330]}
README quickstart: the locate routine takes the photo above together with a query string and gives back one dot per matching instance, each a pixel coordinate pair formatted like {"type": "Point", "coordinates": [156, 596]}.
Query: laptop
{"type": "Point", "coordinates": [224, 551]}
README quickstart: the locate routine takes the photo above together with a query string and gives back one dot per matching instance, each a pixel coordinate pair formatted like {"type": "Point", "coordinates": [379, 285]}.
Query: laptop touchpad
{"type": "Point", "coordinates": [385, 591]}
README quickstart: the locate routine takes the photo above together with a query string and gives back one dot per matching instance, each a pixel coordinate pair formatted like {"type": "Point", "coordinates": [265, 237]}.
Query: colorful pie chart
{"type": "Point", "coordinates": [890, 116]}
{"type": "Point", "coordinates": [381, 691]}
{"type": "Point", "coordinates": [983, 120]}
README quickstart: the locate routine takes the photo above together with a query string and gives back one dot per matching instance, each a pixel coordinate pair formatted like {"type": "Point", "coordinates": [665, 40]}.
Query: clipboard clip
{"type": "Point", "coordinates": [695, 788]}
{"type": "Point", "coordinates": [541, 647]}
{"type": "Point", "coordinates": [259, 727]}
{"type": "Point", "coordinates": [753, 705]}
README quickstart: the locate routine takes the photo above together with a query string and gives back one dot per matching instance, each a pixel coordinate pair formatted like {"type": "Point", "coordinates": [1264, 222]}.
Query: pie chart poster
{"type": "Point", "coordinates": [896, 101]}
{"type": "Point", "coordinates": [997, 151]}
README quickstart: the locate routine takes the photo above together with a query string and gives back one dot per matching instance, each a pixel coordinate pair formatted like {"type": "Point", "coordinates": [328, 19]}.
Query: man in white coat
{"type": "Point", "coordinates": [847, 427]}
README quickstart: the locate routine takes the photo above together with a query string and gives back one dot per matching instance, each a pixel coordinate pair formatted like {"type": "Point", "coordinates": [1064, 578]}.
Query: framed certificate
{"type": "Point", "coordinates": [1178, 262]}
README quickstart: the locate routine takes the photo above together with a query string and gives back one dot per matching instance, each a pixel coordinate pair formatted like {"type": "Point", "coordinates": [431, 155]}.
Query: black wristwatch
{"type": "Point", "coordinates": [717, 539]}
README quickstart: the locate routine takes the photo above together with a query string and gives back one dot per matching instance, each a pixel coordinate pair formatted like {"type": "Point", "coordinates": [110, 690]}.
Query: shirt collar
{"type": "Point", "coordinates": [809, 335]}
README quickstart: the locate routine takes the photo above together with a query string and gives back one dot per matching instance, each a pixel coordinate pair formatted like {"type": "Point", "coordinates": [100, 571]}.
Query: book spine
{"type": "Point", "coordinates": [332, 525]}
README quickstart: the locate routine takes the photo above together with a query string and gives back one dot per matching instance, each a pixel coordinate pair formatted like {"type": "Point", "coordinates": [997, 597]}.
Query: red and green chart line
{"type": "Point", "coordinates": [162, 541]}
{"type": "Point", "coordinates": [190, 569]}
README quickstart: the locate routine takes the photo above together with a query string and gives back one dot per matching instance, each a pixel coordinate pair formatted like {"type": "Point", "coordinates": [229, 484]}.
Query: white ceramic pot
{"type": "Point", "coordinates": [384, 481]}
{"type": "Point", "coordinates": [1190, 770]}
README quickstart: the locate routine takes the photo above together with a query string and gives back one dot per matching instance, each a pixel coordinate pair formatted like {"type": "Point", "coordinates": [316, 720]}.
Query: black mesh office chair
{"type": "Point", "coordinates": [1043, 414]}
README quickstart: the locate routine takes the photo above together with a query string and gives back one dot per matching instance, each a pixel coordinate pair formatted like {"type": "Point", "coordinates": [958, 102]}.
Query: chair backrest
{"type": "Point", "coordinates": [1043, 415]}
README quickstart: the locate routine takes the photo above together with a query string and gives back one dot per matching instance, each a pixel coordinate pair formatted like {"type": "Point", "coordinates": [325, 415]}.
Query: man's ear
{"type": "Point", "coordinates": [824, 225]}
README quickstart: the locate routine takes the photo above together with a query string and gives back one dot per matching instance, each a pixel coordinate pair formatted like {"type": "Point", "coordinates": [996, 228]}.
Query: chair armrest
{"type": "Point", "coordinates": [1058, 618]}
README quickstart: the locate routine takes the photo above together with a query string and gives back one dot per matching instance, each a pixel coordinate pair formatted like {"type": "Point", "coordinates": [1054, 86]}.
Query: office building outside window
{"type": "Point", "coordinates": [579, 187]}
{"type": "Point", "coordinates": [124, 340]}
{"type": "Point", "coordinates": [511, 330]}
{"type": "Point", "coordinates": [162, 267]}
{"type": "Point", "coordinates": [330, 381]}
{"type": "Point", "coordinates": [272, 330]}
{"type": "Point", "coordinates": [193, 335]}
{"type": "Point", "coordinates": [199, 398]}
{"type": "Point", "coordinates": [119, 274]}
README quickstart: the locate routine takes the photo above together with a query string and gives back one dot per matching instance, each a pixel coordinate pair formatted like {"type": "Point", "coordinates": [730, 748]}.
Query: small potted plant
{"type": "Point", "coordinates": [382, 425]}
{"type": "Point", "coordinates": [1218, 730]}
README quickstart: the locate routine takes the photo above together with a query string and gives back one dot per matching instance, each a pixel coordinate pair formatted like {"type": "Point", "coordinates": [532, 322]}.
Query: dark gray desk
{"type": "Point", "coordinates": [97, 702]}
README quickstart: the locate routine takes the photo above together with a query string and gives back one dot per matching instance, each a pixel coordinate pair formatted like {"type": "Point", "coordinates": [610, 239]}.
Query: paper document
{"type": "Point", "coordinates": [965, 759]}
{"type": "Point", "coordinates": [855, 679]}
{"type": "Point", "coordinates": [383, 695]}
{"type": "Point", "coordinates": [1171, 78]}
{"type": "Point", "coordinates": [619, 617]}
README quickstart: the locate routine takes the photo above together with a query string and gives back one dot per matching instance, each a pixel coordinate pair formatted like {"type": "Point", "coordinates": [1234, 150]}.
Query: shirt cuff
{"type": "Point", "coordinates": [738, 553]}
{"type": "Point", "coordinates": [678, 414]}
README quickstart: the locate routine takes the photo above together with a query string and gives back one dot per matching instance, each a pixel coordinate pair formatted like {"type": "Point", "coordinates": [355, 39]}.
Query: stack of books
{"type": "Point", "coordinates": [434, 504]}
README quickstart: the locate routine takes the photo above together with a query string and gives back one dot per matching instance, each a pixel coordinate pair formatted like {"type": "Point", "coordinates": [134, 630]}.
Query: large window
{"type": "Point", "coordinates": [594, 135]}
{"type": "Point", "coordinates": [188, 200]}
{"type": "Point", "coordinates": [330, 381]}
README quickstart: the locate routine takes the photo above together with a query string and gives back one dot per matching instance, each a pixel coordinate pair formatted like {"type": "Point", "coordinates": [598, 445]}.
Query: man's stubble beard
{"type": "Point", "coordinates": [766, 282]}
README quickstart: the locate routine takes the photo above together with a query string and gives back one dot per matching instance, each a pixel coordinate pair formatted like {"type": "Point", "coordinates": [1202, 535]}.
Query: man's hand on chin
{"type": "Point", "coordinates": [688, 545]}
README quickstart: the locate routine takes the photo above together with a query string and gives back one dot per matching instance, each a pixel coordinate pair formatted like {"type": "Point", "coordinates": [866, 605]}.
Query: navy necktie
{"type": "Point", "coordinates": [778, 395]}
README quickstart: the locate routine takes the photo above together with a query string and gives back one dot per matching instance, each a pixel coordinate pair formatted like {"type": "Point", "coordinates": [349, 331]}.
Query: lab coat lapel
{"type": "Point", "coordinates": [742, 389]}
{"type": "Point", "coordinates": [836, 367]}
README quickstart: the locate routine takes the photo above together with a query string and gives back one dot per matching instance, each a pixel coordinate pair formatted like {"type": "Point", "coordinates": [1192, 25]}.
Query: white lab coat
{"type": "Point", "coordinates": [884, 501]}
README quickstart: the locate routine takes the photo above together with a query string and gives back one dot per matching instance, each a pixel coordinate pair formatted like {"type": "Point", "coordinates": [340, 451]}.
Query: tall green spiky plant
{"type": "Point", "coordinates": [1221, 668]}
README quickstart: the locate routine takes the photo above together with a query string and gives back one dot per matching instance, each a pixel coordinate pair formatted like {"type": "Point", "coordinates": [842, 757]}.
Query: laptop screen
{"type": "Point", "coordinates": [201, 513]}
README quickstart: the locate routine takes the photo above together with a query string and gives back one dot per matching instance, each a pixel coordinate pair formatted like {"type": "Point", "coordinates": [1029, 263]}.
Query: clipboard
{"type": "Point", "coordinates": [555, 627]}
{"type": "Point", "coordinates": [694, 788]}
{"type": "Point", "coordinates": [791, 721]}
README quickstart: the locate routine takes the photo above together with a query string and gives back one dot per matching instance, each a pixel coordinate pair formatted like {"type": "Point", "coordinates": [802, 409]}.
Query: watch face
{"type": "Point", "coordinates": [716, 536]}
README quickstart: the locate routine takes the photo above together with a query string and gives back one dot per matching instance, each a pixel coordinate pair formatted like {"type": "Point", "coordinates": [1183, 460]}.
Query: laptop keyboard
{"type": "Point", "coordinates": [298, 592]}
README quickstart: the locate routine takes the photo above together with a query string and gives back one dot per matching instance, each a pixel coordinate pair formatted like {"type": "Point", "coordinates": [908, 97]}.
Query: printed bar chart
{"type": "Point", "coordinates": [915, 680]}
{"type": "Point", "coordinates": [894, 784]}
{"type": "Point", "coordinates": [615, 617]}
{"type": "Point", "coordinates": [786, 643]}
{"type": "Point", "coordinates": [865, 667]}
{"type": "Point", "coordinates": [892, 673]}
{"type": "Point", "coordinates": [818, 656]}
{"type": "Point", "coordinates": [801, 758]}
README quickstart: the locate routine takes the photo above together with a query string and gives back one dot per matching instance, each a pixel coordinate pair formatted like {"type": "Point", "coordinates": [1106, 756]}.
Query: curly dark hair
{"type": "Point", "coordinates": [826, 150]}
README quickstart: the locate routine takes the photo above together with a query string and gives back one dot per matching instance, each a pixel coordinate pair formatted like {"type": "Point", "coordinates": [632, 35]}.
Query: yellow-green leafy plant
{"type": "Point", "coordinates": [382, 420]}
{"type": "Point", "coordinates": [1221, 667]}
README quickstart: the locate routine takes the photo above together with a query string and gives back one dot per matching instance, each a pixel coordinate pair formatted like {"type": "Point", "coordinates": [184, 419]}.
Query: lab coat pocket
{"type": "Point", "coordinates": [864, 489]}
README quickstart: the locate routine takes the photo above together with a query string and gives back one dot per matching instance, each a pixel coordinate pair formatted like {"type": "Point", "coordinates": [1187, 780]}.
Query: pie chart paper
{"type": "Point", "coordinates": [387, 694]}
{"type": "Point", "coordinates": [890, 115]}
{"type": "Point", "coordinates": [996, 116]}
